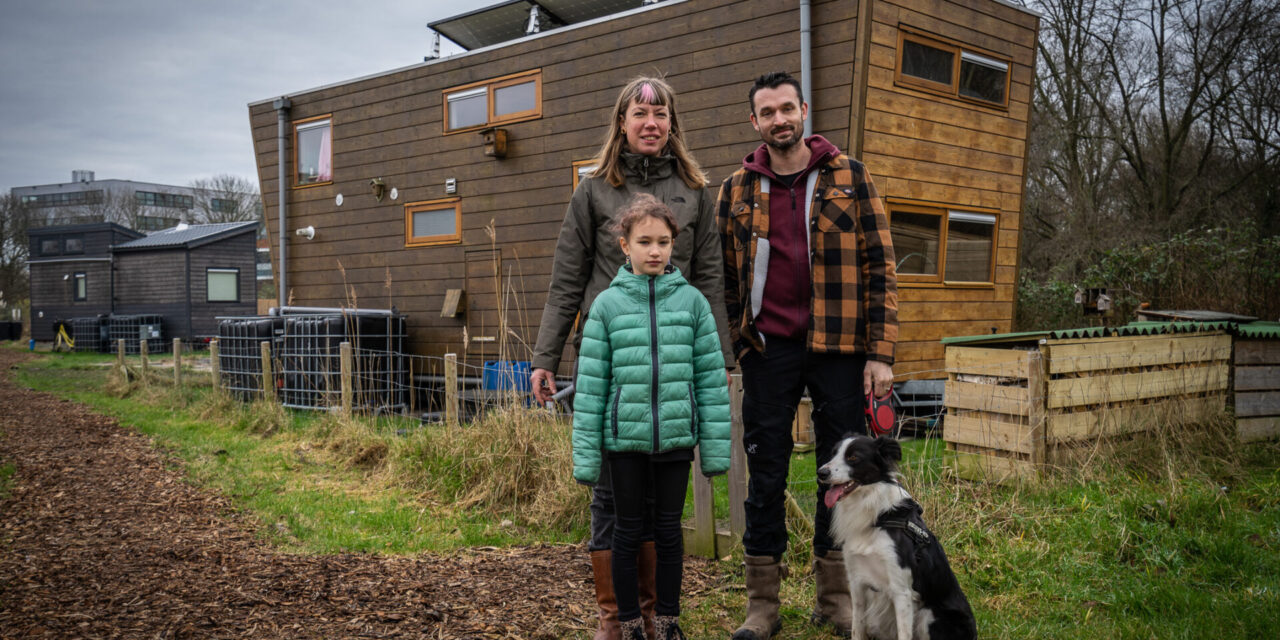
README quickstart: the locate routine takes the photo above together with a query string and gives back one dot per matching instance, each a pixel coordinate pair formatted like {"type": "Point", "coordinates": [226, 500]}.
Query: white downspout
{"type": "Point", "coordinates": [806, 64]}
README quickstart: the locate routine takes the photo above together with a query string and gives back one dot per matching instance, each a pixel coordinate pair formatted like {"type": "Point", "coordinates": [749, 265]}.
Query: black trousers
{"type": "Point", "coordinates": [635, 477]}
{"type": "Point", "coordinates": [773, 383]}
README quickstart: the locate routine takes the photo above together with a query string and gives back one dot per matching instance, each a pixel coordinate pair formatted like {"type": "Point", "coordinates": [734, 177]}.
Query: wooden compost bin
{"type": "Point", "coordinates": [1039, 400]}
{"type": "Point", "coordinates": [1257, 382]}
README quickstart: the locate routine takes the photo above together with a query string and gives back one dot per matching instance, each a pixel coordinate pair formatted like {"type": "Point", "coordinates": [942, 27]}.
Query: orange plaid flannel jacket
{"type": "Point", "coordinates": [854, 303]}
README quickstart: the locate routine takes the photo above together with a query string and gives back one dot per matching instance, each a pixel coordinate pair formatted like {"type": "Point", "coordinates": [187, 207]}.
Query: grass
{"type": "Point", "coordinates": [1171, 536]}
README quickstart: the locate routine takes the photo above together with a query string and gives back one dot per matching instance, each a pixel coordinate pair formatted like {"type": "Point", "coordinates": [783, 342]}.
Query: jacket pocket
{"type": "Point", "coordinates": [838, 210]}
{"type": "Point", "coordinates": [693, 414]}
{"type": "Point", "coordinates": [617, 397]}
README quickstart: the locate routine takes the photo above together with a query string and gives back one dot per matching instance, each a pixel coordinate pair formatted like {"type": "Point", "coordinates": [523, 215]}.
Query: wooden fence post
{"type": "Point", "coordinates": [345, 362]}
{"type": "Point", "coordinates": [120, 357]}
{"type": "Point", "coordinates": [737, 475]}
{"type": "Point", "coordinates": [268, 380]}
{"type": "Point", "coordinates": [215, 366]}
{"type": "Point", "coordinates": [143, 351]}
{"type": "Point", "coordinates": [451, 388]}
{"type": "Point", "coordinates": [704, 515]}
{"type": "Point", "coordinates": [177, 362]}
{"type": "Point", "coordinates": [1037, 405]}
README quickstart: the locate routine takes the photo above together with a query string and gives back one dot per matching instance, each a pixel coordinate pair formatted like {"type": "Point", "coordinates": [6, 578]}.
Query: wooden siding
{"type": "Point", "coordinates": [951, 152]}
{"type": "Point", "coordinates": [391, 127]}
{"type": "Point", "coordinates": [232, 253]}
{"type": "Point", "coordinates": [54, 297]}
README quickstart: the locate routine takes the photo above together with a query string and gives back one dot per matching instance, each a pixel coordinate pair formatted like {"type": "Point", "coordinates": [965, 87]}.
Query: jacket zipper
{"type": "Point", "coordinates": [653, 353]}
{"type": "Point", "coordinates": [693, 404]}
{"type": "Point", "coordinates": [617, 397]}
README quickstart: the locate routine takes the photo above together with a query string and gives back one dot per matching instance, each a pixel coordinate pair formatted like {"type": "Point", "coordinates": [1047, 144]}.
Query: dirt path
{"type": "Point", "coordinates": [101, 537]}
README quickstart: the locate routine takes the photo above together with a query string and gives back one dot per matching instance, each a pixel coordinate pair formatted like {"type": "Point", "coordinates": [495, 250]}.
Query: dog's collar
{"type": "Point", "coordinates": [905, 517]}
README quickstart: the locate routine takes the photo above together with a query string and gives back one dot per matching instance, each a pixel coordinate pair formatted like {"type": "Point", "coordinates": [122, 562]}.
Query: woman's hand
{"type": "Point", "coordinates": [544, 385]}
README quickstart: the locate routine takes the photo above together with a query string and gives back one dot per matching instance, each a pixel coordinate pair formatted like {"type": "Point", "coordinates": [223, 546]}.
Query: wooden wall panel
{"type": "Point", "coordinates": [390, 127]}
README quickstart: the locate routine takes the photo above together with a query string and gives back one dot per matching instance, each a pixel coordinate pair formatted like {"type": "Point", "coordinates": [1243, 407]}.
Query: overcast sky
{"type": "Point", "coordinates": [158, 90]}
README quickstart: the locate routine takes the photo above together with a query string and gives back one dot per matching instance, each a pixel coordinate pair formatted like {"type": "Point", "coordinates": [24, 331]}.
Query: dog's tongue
{"type": "Point", "coordinates": [833, 495]}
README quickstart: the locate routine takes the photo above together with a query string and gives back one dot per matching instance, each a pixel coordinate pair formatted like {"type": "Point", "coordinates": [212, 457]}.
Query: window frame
{"type": "Point", "coordinates": [77, 279]}
{"type": "Point", "coordinates": [491, 85]}
{"type": "Point", "coordinates": [944, 211]}
{"type": "Point", "coordinates": [66, 245]}
{"type": "Point", "coordinates": [901, 79]}
{"type": "Point", "coordinates": [411, 208]}
{"type": "Point", "coordinates": [55, 243]}
{"type": "Point", "coordinates": [332, 169]}
{"type": "Point", "coordinates": [578, 165]}
{"type": "Point", "coordinates": [211, 270]}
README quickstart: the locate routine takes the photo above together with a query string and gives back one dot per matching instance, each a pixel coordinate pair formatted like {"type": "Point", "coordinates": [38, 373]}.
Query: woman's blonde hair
{"type": "Point", "coordinates": [646, 90]}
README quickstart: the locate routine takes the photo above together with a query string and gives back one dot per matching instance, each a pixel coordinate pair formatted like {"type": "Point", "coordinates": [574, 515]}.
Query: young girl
{"type": "Point", "coordinates": [651, 386]}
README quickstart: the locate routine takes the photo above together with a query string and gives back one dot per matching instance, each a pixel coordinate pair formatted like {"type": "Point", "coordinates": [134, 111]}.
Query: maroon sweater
{"type": "Point", "coordinates": [785, 310]}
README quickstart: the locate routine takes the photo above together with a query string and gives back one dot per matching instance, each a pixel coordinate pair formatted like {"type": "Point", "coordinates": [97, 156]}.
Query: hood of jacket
{"type": "Point", "coordinates": [636, 286]}
{"type": "Point", "coordinates": [820, 150]}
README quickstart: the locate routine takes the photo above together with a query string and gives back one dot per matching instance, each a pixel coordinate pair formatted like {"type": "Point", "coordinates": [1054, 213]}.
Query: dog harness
{"type": "Point", "coordinates": [907, 517]}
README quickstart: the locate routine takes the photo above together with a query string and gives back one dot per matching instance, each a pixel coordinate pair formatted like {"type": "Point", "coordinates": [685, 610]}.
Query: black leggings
{"type": "Point", "coordinates": [666, 482]}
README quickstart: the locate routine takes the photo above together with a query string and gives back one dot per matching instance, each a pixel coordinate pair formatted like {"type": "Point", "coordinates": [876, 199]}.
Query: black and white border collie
{"type": "Point", "coordinates": [901, 585]}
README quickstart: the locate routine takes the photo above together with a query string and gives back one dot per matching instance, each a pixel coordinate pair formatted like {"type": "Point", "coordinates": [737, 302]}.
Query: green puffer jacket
{"type": "Point", "coordinates": [637, 318]}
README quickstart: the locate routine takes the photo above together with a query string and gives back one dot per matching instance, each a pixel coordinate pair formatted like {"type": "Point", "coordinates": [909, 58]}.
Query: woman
{"type": "Point", "coordinates": [643, 152]}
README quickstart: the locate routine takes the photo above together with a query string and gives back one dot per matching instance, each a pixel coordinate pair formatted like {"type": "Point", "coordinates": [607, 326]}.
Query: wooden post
{"type": "Point", "coordinates": [177, 362]}
{"type": "Point", "coordinates": [268, 380]}
{"type": "Point", "coordinates": [451, 388]}
{"type": "Point", "coordinates": [215, 366]}
{"type": "Point", "coordinates": [1037, 404]}
{"type": "Point", "coordinates": [737, 461]}
{"type": "Point", "coordinates": [120, 356]}
{"type": "Point", "coordinates": [704, 516]}
{"type": "Point", "coordinates": [345, 362]}
{"type": "Point", "coordinates": [412, 399]}
{"type": "Point", "coordinates": [143, 350]}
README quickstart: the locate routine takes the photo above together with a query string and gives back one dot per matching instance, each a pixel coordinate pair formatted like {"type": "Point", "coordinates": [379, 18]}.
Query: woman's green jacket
{"type": "Point", "coordinates": [651, 376]}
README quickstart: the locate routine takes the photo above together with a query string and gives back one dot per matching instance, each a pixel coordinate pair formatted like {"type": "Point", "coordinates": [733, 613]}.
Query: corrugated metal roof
{"type": "Point", "coordinates": [1262, 330]}
{"type": "Point", "coordinates": [187, 236]}
{"type": "Point", "coordinates": [1256, 329]}
{"type": "Point", "coordinates": [507, 21]}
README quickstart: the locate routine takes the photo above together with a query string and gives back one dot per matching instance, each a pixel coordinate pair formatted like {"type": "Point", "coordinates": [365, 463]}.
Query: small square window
{"type": "Point", "coordinates": [50, 247]}
{"type": "Point", "coordinates": [313, 151]}
{"type": "Point", "coordinates": [927, 63]}
{"type": "Point", "coordinates": [432, 222]}
{"type": "Point", "coordinates": [970, 244]}
{"type": "Point", "coordinates": [983, 78]}
{"type": "Point", "coordinates": [81, 288]}
{"type": "Point", "coordinates": [515, 99]}
{"type": "Point", "coordinates": [74, 245]}
{"type": "Point", "coordinates": [917, 238]}
{"type": "Point", "coordinates": [468, 108]}
{"type": "Point", "coordinates": [223, 285]}
{"type": "Point", "coordinates": [511, 98]}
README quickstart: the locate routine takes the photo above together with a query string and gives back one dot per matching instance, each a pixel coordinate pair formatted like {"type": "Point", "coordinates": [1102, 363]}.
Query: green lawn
{"type": "Point", "coordinates": [1170, 544]}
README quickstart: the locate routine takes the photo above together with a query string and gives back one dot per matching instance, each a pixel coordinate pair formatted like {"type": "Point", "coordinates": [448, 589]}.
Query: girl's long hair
{"type": "Point", "coordinates": [609, 160]}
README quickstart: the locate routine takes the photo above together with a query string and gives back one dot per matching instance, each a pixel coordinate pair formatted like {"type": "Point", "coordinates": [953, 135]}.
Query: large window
{"type": "Point", "coordinates": [940, 66]}
{"type": "Point", "coordinates": [432, 222]}
{"type": "Point", "coordinates": [498, 101]}
{"type": "Point", "coordinates": [69, 199]}
{"type": "Point", "coordinates": [81, 288]}
{"type": "Point", "coordinates": [313, 151]}
{"type": "Point", "coordinates": [170, 200]}
{"type": "Point", "coordinates": [223, 285]}
{"type": "Point", "coordinates": [935, 244]}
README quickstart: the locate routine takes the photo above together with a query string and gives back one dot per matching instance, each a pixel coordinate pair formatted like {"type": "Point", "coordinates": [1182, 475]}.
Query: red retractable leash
{"type": "Point", "coordinates": [880, 417]}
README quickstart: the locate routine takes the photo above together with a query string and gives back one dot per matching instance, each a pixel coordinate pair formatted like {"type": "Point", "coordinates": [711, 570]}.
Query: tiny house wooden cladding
{"type": "Point", "coordinates": [933, 96]}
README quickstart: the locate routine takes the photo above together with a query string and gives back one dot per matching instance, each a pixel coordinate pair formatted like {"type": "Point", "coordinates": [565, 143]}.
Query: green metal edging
{"type": "Point", "coordinates": [1254, 330]}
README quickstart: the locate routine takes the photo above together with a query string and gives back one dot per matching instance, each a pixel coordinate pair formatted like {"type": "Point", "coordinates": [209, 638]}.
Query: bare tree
{"type": "Point", "coordinates": [226, 198]}
{"type": "Point", "coordinates": [15, 220]}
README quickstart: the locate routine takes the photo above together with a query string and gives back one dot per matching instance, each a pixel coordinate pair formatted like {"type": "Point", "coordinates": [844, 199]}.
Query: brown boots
{"type": "Point", "coordinates": [602, 572]}
{"type": "Point", "coordinates": [832, 586]}
{"type": "Point", "coordinates": [764, 579]}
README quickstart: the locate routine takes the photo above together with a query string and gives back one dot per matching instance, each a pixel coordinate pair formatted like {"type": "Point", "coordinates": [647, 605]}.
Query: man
{"type": "Point", "coordinates": [811, 297]}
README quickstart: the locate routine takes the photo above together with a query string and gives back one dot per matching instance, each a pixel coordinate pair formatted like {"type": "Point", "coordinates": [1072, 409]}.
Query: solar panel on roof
{"type": "Point", "coordinates": [509, 20]}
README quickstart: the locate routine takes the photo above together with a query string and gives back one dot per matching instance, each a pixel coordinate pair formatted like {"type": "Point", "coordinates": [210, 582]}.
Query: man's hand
{"type": "Point", "coordinates": [877, 376]}
{"type": "Point", "coordinates": [544, 385]}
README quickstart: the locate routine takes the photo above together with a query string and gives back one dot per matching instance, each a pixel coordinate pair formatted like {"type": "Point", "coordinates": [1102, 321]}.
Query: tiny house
{"type": "Point", "coordinates": [71, 269]}
{"type": "Point", "coordinates": [440, 187]}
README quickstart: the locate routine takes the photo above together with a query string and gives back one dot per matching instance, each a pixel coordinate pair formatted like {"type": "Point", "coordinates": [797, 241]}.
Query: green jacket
{"type": "Point", "coordinates": [650, 375]}
{"type": "Point", "coordinates": [587, 253]}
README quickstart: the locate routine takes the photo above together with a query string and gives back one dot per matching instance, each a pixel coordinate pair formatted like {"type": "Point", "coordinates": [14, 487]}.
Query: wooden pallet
{"type": "Point", "coordinates": [1257, 389]}
{"type": "Point", "coordinates": [1011, 412]}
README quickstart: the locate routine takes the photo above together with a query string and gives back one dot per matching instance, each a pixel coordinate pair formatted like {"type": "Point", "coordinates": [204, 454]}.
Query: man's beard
{"type": "Point", "coordinates": [772, 141]}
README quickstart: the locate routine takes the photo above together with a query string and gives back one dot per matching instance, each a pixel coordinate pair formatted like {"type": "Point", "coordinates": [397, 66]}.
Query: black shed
{"type": "Point", "coordinates": [190, 275]}
{"type": "Point", "coordinates": [71, 272]}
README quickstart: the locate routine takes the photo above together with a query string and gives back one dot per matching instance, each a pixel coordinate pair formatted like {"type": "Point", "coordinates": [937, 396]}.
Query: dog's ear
{"type": "Point", "coordinates": [889, 448]}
